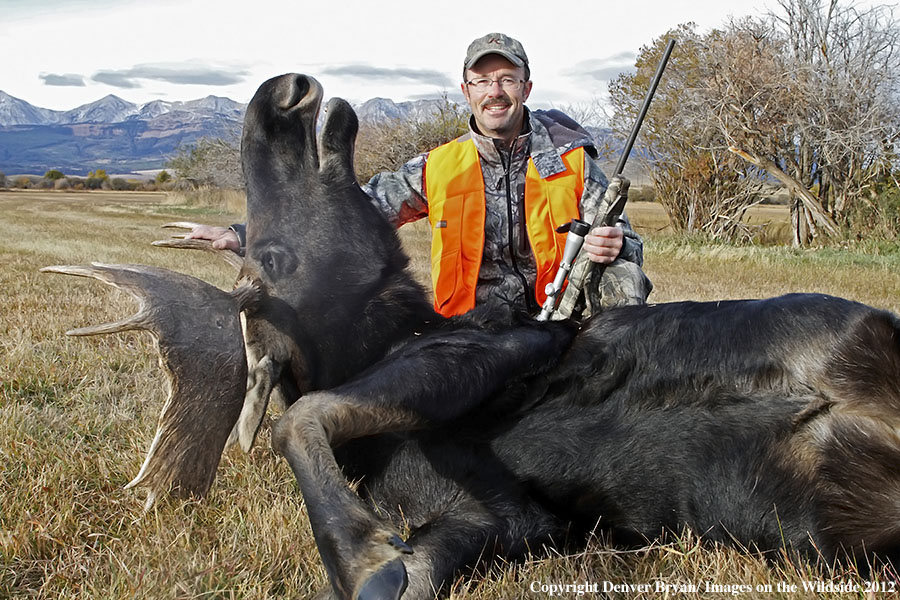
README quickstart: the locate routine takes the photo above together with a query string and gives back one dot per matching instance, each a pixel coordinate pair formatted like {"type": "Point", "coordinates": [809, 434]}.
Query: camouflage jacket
{"type": "Point", "coordinates": [508, 269]}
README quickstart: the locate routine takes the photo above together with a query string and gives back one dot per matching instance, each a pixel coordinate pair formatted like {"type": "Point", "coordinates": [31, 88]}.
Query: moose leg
{"type": "Point", "coordinates": [360, 551]}
{"type": "Point", "coordinates": [446, 546]}
{"type": "Point", "coordinates": [460, 504]}
{"type": "Point", "coordinates": [442, 549]}
{"type": "Point", "coordinates": [353, 542]}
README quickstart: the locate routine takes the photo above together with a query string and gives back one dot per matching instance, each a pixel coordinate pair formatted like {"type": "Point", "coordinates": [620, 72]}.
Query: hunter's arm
{"type": "Point", "coordinates": [400, 195]}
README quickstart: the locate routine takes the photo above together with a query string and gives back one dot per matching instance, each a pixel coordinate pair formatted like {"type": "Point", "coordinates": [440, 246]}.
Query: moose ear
{"type": "Point", "coordinates": [337, 140]}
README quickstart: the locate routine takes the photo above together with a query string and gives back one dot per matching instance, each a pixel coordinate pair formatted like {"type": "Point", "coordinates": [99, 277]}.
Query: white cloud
{"type": "Point", "coordinates": [62, 80]}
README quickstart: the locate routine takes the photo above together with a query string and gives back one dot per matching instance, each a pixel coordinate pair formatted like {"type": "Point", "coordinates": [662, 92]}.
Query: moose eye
{"type": "Point", "coordinates": [277, 262]}
{"type": "Point", "coordinates": [268, 262]}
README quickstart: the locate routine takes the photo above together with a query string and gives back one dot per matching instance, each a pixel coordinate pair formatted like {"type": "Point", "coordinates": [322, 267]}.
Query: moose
{"type": "Point", "coordinates": [772, 425]}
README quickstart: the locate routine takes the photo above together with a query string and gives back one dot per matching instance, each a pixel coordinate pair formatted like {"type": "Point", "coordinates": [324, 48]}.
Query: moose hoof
{"type": "Point", "coordinates": [397, 542]}
{"type": "Point", "coordinates": [387, 583]}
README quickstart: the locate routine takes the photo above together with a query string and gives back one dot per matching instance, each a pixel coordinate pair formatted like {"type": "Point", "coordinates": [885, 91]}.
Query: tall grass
{"type": "Point", "coordinates": [77, 416]}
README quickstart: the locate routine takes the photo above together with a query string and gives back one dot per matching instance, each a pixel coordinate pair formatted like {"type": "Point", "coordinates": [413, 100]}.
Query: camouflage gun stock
{"type": "Point", "coordinates": [574, 298]}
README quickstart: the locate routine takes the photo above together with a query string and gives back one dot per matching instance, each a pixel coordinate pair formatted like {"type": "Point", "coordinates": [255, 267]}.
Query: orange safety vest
{"type": "Point", "coordinates": [454, 187]}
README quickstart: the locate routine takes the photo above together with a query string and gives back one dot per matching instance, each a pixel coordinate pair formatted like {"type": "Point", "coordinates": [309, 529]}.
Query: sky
{"type": "Point", "coordinates": [60, 54]}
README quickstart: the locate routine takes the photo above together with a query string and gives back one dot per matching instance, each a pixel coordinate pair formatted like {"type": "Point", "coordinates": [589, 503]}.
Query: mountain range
{"type": "Point", "coordinates": [110, 134]}
{"type": "Point", "coordinates": [122, 137]}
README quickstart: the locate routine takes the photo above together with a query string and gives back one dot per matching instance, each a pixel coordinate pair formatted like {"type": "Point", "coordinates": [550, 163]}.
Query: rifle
{"type": "Point", "coordinates": [573, 299]}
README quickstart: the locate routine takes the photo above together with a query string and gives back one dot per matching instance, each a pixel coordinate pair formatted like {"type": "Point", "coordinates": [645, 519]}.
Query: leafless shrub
{"type": "Point", "coordinates": [808, 94]}
{"type": "Point", "coordinates": [210, 162]}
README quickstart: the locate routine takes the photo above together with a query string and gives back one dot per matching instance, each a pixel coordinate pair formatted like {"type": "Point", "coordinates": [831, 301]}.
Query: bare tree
{"type": "Point", "coordinates": [588, 113]}
{"type": "Point", "coordinates": [703, 187]}
{"type": "Point", "coordinates": [807, 97]}
{"type": "Point", "coordinates": [810, 96]}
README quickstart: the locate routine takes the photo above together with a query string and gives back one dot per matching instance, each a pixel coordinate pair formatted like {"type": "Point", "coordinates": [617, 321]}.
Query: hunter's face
{"type": "Point", "coordinates": [499, 111]}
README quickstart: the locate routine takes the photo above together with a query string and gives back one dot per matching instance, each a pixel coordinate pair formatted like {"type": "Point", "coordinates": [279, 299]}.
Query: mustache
{"type": "Point", "coordinates": [496, 102]}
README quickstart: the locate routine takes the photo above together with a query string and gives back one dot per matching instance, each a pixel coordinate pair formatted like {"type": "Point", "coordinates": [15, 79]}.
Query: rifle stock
{"type": "Point", "coordinates": [573, 300]}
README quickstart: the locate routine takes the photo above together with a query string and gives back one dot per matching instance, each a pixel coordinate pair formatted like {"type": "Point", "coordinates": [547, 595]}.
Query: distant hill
{"type": "Point", "coordinates": [122, 137]}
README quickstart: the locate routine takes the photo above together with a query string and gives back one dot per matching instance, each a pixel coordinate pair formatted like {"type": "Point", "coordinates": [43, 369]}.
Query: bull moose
{"type": "Point", "coordinates": [768, 424]}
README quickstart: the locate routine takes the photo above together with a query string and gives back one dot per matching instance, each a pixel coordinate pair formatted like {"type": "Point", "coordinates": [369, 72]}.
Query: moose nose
{"type": "Point", "coordinates": [297, 91]}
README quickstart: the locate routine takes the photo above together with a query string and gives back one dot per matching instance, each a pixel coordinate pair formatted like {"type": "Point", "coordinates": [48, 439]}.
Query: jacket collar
{"type": "Point", "coordinates": [546, 156]}
{"type": "Point", "coordinates": [534, 140]}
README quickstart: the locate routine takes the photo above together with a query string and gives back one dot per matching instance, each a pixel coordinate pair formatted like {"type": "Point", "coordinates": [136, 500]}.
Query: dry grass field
{"type": "Point", "coordinates": [77, 416]}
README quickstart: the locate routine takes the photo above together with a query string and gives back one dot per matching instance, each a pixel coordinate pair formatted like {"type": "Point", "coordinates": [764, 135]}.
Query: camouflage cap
{"type": "Point", "coordinates": [496, 43]}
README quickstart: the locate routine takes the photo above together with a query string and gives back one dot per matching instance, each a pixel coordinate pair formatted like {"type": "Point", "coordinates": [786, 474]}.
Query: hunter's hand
{"type": "Point", "coordinates": [222, 238]}
{"type": "Point", "coordinates": [603, 244]}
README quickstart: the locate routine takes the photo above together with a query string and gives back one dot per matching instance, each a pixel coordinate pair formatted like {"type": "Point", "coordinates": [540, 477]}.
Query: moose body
{"type": "Point", "coordinates": [749, 422]}
{"type": "Point", "coordinates": [770, 424]}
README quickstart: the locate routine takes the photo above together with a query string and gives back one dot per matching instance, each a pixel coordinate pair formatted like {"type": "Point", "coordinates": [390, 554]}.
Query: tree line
{"type": "Point", "coordinates": [55, 179]}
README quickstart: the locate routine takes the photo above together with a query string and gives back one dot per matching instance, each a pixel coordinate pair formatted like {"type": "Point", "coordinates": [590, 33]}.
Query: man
{"type": "Point", "coordinates": [495, 196]}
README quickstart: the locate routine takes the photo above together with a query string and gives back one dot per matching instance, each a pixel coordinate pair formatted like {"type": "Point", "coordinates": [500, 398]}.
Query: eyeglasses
{"type": "Point", "coordinates": [483, 84]}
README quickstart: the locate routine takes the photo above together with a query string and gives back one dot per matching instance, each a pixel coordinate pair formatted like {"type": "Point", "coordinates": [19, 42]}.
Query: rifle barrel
{"type": "Point", "coordinates": [640, 119]}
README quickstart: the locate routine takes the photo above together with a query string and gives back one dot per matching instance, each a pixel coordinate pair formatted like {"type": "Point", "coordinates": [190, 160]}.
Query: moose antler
{"type": "Point", "coordinates": [201, 347]}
